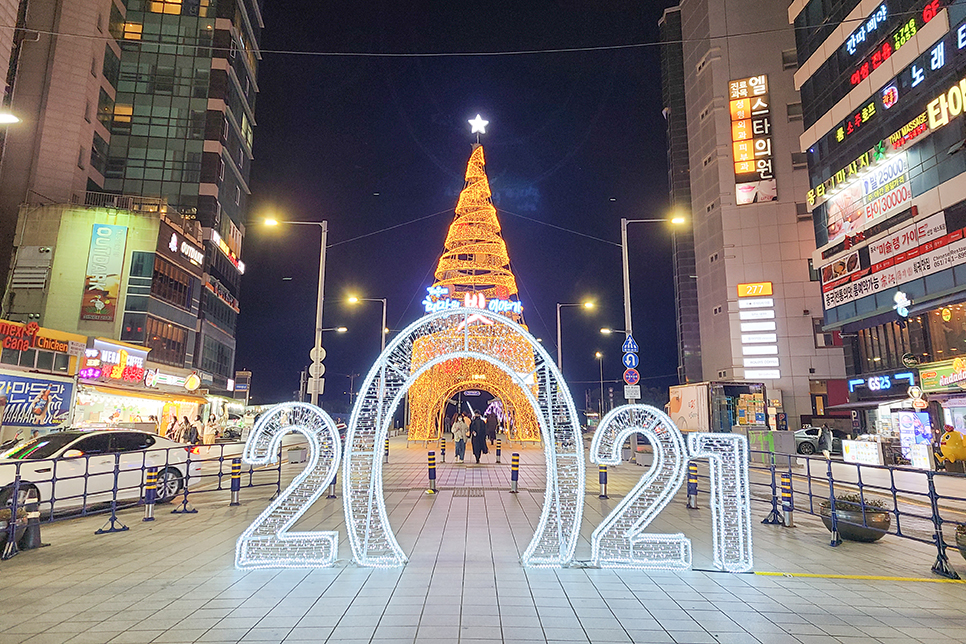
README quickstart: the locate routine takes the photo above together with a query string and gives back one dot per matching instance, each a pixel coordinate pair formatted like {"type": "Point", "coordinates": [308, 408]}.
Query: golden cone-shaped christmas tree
{"type": "Point", "coordinates": [474, 263]}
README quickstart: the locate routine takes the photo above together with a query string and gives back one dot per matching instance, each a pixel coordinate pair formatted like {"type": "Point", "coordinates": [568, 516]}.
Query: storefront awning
{"type": "Point", "coordinates": [149, 395]}
{"type": "Point", "coordinates": [866, 404]}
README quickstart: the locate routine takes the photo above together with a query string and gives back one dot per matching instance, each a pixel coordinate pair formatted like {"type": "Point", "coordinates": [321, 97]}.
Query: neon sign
{"type": "Point", "coordinates": [112, 362]}
{"type": "Point", "coordinates": [866, 28]}
{"type": "Point", "coordinates": [882, 383]}
{"type": "Point", "coordinates": [229, 253]}
{"type": "Point", "coordinates": [437, 300]}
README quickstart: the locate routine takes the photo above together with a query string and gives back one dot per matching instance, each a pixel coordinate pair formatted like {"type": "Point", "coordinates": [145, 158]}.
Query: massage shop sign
{"type": "Point", "coordinates": [907, 253]}
{"type": "Point", "coordinates": [37, 402]}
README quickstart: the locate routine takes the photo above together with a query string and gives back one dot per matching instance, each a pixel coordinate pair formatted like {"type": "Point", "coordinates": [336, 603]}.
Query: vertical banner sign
{"type": "Point", "coordinates": [102, 283]}
{"type": "Point", "coordinates": [749, 105]}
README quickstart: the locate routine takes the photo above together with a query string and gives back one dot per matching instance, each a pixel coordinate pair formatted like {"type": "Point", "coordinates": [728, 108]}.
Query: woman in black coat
{"type": "Point", "coordinates": [478, 435]}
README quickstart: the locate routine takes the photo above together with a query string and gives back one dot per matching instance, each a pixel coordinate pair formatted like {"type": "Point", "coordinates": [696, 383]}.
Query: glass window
{"type": "Point", "coordinates": [105, 108]}
{"type": "Point", "coordinates": [61, 362]}
{"type": "Point", "coordinates": [167, 341]}
{"type": "Point", "coordinates": [132, 330]}
{"type": "Point", "coordinates": [947, 331]}
{"type": "Point", "coordinates": [28, 358]}
{"type": "Point", "coordinates": [96, 444]}
{"type": "Point", "coordinates": [111, 67]}
{"type": "Point", "coordinates": [132, 30]}
{"type": "Point", "coordinates": [45, 360]}
{"type": "Point", "coordinates": [131, 441]}
{"type": "Point", "coordinates": [42, 447]}
{"type": "Point", "coordinates": [9, 356]}
{"type": "Point", "coordinates": [171, 283]}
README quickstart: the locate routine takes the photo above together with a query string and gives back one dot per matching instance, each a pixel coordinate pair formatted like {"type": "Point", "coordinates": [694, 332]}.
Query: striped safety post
{"type": "Point", "coordinates": [788, 502]}
{"type": "Point", "coordinates": [150, 492]}
{"type": "Point", "coordinates": [442, 449]}
{"type": "Point", "coordinates": [602, 476]}
{"type": "Point", "coordinates": [385, 456]}
{"type": "Point", "coordinates": [692, 485]}
{"type": "Point", "coordinates": [499, 449]}
{"type": "Point", "coordinates": [332, 484]}
{"type": "Point", "coordinates": [432, 473]}
{"type": "Point", "coordinates": [514, 472]}
{"type": "Point", "coordinates": [235, 481]}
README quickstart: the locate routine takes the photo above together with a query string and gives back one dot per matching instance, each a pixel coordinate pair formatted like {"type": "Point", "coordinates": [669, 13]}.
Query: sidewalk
{"type": "Point", "coordinates": [174, 581]}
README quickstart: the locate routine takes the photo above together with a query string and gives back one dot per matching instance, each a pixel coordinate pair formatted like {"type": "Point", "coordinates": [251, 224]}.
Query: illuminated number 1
{"type": "Point", "coordinates": [267, 543]}
{"type": "Point", "coordinates": [727, 456]}
{"type": "Point", "coordinates": [620, 541]}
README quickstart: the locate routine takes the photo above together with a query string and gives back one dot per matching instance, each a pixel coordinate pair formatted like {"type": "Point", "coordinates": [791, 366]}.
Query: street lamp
{"type": "Point", "coordinates": [8, 118]}
{"type": "Point", "coordinates": [587, 305]}
{"type": "Point", "coordinates": [355, 300]}
{"type": "Point", "coordinates": [317, 350]}
{"type": "Point", "coordinates": [600, 359]}
{"type": "Point", "coordinates": [607, 330]}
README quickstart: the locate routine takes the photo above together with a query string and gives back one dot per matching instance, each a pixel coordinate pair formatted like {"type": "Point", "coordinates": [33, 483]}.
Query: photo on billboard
{"type": "Point", "coordinates": [756, 192]}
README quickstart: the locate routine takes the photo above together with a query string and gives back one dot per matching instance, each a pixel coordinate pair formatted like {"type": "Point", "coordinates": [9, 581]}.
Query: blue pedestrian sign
{"type": "Point", "coordinates": [630, 346]}
{"type": "Point", "coordinates": [632, 377]}
{"type": "Point", "coordinates": [631, 360]}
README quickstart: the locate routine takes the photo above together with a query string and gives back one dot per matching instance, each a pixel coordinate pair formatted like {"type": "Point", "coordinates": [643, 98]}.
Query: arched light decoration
{"type": "Point", "coordinates": [371, 536]}
{"type": "Point", "coordinates": [267, 543]}
{"type": "Point", "coordinates": [620, 541]}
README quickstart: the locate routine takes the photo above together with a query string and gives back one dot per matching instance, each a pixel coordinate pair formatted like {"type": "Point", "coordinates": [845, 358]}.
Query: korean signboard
{"type": "Point", "coordinates": [752, 140]}
{"type": "Point", "coordinates": [35, 402]}
{"type": "Point", "coordinates": [109, 362]}
{"type": "Point", "coordinates": [102, 282]}
{"type": "Point", "coordinates": [881, 190]}
{"type": "Point", "coordinates": [759, 337]}
{"type": "Point", "coordinates": [910, 252]}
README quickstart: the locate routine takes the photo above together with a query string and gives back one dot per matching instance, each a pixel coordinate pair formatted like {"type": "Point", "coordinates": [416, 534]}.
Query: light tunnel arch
{"type": "Point", "coordinates": [371, 537]}
{"type": "Point", "coordinates": [510, 410]}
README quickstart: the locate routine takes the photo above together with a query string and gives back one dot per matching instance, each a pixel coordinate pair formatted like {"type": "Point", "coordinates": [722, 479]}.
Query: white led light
{"type": "Point", "coordinates": [762, 374]}
{"type": "Point", "coordinates": [747, 327]}
{"type": "Point", "coordinates": [752, 338]}
{"type": "Point", "coordinates": [371, 537]}
{"type": "Point", "coordinates": [757, 314]}
{"type": "Point", "coordinates": [267, 542]}
{"type": "Point", "coordinates": [759, 350]}
{"type": "Point", "coordinates": [760, 362]}
{"type": "Point", "coordinates": [620, 541]}
{"type": "Point", "coordinates": [757, 303]}
{"type": "Point", "coordinates": [727, 456]}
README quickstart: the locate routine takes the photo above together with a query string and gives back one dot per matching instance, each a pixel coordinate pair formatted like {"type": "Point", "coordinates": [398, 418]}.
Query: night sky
{"type": "Point", "coordinates": [377, 146]}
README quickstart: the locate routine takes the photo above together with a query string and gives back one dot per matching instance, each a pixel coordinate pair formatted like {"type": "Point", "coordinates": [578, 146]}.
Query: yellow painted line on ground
{"type": "Point", "coordinates": [862, 577]}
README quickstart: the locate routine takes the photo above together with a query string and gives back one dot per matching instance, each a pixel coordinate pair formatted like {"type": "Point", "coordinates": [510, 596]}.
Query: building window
{"type": "Point", "coordinates": [794, 111]}
{"type": "Point", "coordinates": [105, 108]}
{"type": "Point", "coordinates": [87, 112]}
{"type": "Point", "coordinates": [166, 6]}
{"type": "Point", "coordinates": [814, 275]}
{"type": "Point", "coordinates": [825, 339]}
{"type": "Point", "coordinates": [132, 330]}
{"type": "Point", "coordinates": [221, 169]}
{"type": "Point", "coordinates": [216, 357]}
{"type": "Point", "coordinates": [132, 30]}
{"type": "Point", "coordinates": [801, 212]}
{"type": "Point", "coordinates": [167, 341]}
{"type": "Point", "coordinates": [116, 24]}
{"type": "Point", "coordinates": [799, 160]}
{"type": "Point", "coordinates": [171, 283]}
{"type": "Point", "coordinates": [122, 118]}
{"type": "Point", "coordinates": [112, 66]}
{"type": "Point", "coordinates": [789, 59]}
{"type": "Point", "coordinates": [708, 159]}
{"type": "Point", "coordinates": [717, 310]}
{"type": "Point", "coordinates": [99, 153]}
{"type": "Point", "coordinates": [80, 158]}
{"type": "Point", "coordinates": [712, 258]}
{"type": "Point", "coordinates": [237, 195]}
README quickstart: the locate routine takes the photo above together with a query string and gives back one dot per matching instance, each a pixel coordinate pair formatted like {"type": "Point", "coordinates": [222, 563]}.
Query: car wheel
{"type": "Point", "coordinates": [806, 448]}
{"type": "Point", "coordinates": [170, 483]}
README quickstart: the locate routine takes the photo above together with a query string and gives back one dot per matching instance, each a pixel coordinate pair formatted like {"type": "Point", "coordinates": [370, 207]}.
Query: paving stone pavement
{"type": "Point", "coordinates": [173, 580]}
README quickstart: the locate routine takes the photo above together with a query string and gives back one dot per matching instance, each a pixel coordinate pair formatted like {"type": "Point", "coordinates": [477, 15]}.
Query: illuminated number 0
{"type": "Point", "coordinates": [620, 541]}
{"type": "Point", "coordinates": [267, 543]}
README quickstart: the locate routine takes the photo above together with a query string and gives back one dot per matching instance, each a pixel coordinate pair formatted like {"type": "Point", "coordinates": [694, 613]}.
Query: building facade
{"type": "Point", "coordinates": [757, 303]}
{"type": "Point", "coordinates": [154, 102]}
{"type": "Point", "coordinates": [882, 88]}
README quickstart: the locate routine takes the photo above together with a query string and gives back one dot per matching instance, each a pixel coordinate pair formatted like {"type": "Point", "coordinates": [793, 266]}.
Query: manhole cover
{"type": "Point", "coordinates": [468, 491]}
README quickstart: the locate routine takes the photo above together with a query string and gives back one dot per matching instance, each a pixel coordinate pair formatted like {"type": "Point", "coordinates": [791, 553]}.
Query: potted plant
{"type": "Point", "coordinates": [21, 522]}
{"type": "Point", "coordinates": [961, 539]}
{"type": "Point", "coordinates": [857, 521]}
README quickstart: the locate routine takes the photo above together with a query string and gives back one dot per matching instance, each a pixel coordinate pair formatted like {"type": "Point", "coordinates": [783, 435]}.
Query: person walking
{"type": "Point", "coordinates": [210, 432]}
{"type": "Point", "coordinates": [491, 425]}
{"type": "Point", "coordinates": [171, 431]}
{"type": "Point", "coordinates": [825, 440]}
{"type": "Point", "coordinates": [460, 429]}
{"type": "Point", "coordinates": [478, 435]}
{"type": "Point", "coordinates": [190, 433]}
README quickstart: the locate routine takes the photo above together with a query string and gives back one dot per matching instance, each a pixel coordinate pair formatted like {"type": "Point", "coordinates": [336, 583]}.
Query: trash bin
{"type": "Point", "coordinates": [297, 454]}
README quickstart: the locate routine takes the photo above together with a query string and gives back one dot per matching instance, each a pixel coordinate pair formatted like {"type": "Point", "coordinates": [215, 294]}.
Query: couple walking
{"type": "Point", "coordinates": [474, 430]}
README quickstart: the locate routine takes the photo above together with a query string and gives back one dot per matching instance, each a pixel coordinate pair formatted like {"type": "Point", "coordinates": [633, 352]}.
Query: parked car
{"type": "Point", "coordinates": [806, 440]}
{"type": "Point", "coordinates": [75, 468]}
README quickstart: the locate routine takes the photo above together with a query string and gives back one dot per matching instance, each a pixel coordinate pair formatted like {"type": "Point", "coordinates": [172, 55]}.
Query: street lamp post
{"type": "Point", "coordinates": [354, 300]}
{"type": "Point", "coordinates": [600, 359]}
{"type": "Point", "coordinates": [317, 351]}
{"type": "Point", "coordinates": [586, 305]}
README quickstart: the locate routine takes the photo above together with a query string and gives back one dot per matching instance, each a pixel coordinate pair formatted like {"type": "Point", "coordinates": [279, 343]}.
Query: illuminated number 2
{"type": "Point", "coordinates": [620, 541]}
{"type": "Point", "coordinates": [267, 543]}
{"type": "Point", "coordinates": [727, 456]}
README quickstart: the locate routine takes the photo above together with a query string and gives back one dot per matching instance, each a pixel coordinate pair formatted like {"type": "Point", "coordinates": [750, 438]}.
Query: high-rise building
{"type": "Point", "coordinates": [679, 191]}
{"type": "Point", "coordinates": [757, 304]}
{"type": "Point", "coordinates": [882, 88]}
{"type": "Point", "coordinates": [143, 99]}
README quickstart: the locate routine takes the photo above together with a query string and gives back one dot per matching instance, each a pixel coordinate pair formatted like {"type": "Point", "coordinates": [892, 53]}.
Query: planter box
{"type": "Point", "coordinates": [850, 523]}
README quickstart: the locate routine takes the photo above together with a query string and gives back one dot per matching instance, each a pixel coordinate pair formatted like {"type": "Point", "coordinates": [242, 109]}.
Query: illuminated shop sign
{"type": "Point", "coordinates": [909, 131]}
{"type": "Point", "coordinates": [154, 378]}
{"type": "Point", "coordinates": [23, 337]}
{"type": "Point", "coordinates": [947, 105]}
{"type": "Point", "coordinates": [38, 403]}
{"type": "Point", "coordinates": [751, 140]}
{"type": "Point", "coordinates": [105, 262]}
{"type": "Point", "coordinates": [886, 383]}
{"type": "Point", "coordinates": [866, 29]}
{"type": "Point", "coordinates": [852, 124]}
{"type": "Point", "coordinates": [913, 251]}
{"type": "Point", "coordinates": [222, 293]}
{"type": "Point", "coordinates": [878, 191]}
{"type": "Point", "coordinates": [228, 252]}
{"type": "Point", "coordinates": [194, 255]}
{"type": "Point", "coordinates": [759, 337]}
{"type": "Point", "coordinates": [111, 362]}
{"type": "Point", "coordinates": [948, 374]}
{"type": "Point", "coordinates": [841, 268]}
{"type": "Point", "coordinates": [438, 299]}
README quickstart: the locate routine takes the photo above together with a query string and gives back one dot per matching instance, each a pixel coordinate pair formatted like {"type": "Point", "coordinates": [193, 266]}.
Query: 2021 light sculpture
{"type": "Point", "coordinates": [370, 535]}
{"type": "Point", "coordinates": [620, 541]}
{"type": "Point", "coordinates": [268, 543]}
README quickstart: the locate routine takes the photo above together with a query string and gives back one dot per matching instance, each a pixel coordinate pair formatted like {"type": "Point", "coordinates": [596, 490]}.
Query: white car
{"type": "Point", "coordinates": [75, 468]}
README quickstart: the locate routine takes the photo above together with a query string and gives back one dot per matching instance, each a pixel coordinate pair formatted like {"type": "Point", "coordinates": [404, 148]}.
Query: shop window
{"type": "Point", "coordinates": [167, 341]}
{"type": "Point", "coordinates": [61, 362]}
{"type": "Point", "coordinates": [171, 283]}
{"type": "Point", "coordinates": [9, 356]}
{"type": "Point", "coordinates": [947, 331]}
{"type": "Point", "coordinates": [45, 360]}
{"type": "Point", "coordinates": [28, 358]}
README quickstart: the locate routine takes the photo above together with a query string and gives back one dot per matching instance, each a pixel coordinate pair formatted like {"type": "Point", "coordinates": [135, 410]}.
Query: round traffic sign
{"type": "Point", "coordinates": [632, 377]}
{"type": "Point", "coordinates": [316, 369]}
{"type": "Point", "coordinates": [321, 352]}
{"type": "Point", "coordinates": [631, 360]}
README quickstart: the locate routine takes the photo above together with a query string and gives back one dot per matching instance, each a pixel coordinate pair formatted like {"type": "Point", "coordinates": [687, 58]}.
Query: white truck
{"type": "Point", "coordinates": [718, 406]}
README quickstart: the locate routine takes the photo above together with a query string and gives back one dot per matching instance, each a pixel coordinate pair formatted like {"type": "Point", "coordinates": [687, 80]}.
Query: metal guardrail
{"type": "Point", "coordinates": [922, 506]}
{"type": "Point", "coordinates": [132, 481]}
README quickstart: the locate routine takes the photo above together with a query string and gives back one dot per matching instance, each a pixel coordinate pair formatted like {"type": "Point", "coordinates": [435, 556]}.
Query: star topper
{"type": "Point", "coordinates": [478, 125]}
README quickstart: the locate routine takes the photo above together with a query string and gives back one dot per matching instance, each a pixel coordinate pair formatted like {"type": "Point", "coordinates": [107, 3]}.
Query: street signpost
{"type": "Point", "coordinates": [632, 390]}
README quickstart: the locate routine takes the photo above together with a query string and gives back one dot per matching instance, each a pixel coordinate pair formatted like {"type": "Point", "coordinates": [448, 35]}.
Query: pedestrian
{"type": "Point", "coordinates": [478, 435]}
{"type": "Point", "coordinates": [491, 425]}
{"type": "Point", "coordinates": [460, 429]}
{"type": "Point", "coordinates": [825, 440]}
{"type": "Point", "coordinates": [198, 430]}
{"type": "Point", "coordinates": [447, 424]}
{"type": "Point", "coordinates": [183, 425]}
{"type": "Point", "coordinates": [210, 432]}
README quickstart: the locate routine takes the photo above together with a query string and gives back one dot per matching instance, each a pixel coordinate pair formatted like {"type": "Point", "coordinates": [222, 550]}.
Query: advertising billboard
{"type": "Point", "coordinates": [751, 139]}
{"type": "Point", "coordinates": [35, 402]}
{"type": "Point", "coordinates": [102, 283]}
